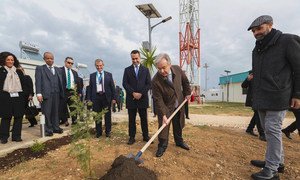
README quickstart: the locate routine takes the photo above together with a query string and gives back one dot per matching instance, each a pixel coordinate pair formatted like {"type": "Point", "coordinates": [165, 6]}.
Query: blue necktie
{"type": "Point", "coordinates": [136, 71]}
{"type": "Point", "coordinates": [100, 78]}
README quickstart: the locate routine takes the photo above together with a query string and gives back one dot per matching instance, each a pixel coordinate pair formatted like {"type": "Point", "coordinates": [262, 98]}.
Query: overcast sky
{"type": "Point", "coordinates": [110, 29]}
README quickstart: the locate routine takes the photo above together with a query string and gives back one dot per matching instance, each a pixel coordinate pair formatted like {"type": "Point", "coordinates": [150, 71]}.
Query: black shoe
{"type": "Point", "coordinates": [3, 141]}
{"type": "Point", "coordinates": [74, 122]}
{"type": "Point", "coordinates": [31, 125]}
{"type": "Point", "coordinates": [17, 139]}
{"type": "Point", "coordinates": [183, 146]}
{"type": "Point", "coordinates": [251, 133]}
{"type": "Point", "coordinates": [287, 133]}
{"type": "Point", "coordinates": [48, 134]}
{"type": "Point", "coordinates": [67, 123]}
{"type": "Point", "coordinates": [265, 173]}
{"type": "Point", "coordinates": [187, 118]}
{"type": "Point", "coordinates": [261, 164]}
{"type": "Point", "coordinates": [131, 141]}
{"type": "Point", "coordinates": [59, 131]}
{"type": "Point", "coordinates": [262, 138]}
{"type": "Point", "coordinates": [160, 151]}
{"type": "Point", "coordinates": [98, 135]}
{"type": "Point", "coordinates": [108, 135]}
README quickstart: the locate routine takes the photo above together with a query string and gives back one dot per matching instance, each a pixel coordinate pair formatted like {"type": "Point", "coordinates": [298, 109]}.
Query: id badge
{"type": "Point", "coordinates": [14, 94]}
{"type": "Point", "coordinates": [99, 88]}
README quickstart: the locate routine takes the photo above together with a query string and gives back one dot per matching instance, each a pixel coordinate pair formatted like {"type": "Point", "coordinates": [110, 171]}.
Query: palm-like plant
{"type": "Point", "coordinates": [148, 58]}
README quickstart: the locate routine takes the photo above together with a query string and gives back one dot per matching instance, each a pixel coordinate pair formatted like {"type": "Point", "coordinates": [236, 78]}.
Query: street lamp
{"type": "Point", "coordinates": [150, 12]}
{"type": "Point", "coordinates": [227, 72]}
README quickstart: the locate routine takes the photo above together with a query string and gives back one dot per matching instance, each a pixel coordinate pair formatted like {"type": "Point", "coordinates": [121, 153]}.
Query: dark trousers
{"type": "Point", "coordinates": [64, 112]}
{"type": "Point", "coordinates": [132, 121]}
{"type": "Point", "coordinates": [50, 108]}
{"type": "Point", "coordinates": [5, 126]}
{"type": "Point", "coordinates": [186, 109]}
{"type": "Point", "coordinates": [177, 132]}
{"type": "Point", "coordinates": [296, 124]}
{"type": "Point", "coordinates": [255, 121]}
{"type": "Point", "coordinates": [99, 104]}
{"type": "Point", "coordinates": [31, 119]}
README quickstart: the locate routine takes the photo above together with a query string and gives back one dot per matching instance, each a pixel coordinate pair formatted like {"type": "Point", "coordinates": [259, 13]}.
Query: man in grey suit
{"type": "Point", "coordinates": [49, 90]}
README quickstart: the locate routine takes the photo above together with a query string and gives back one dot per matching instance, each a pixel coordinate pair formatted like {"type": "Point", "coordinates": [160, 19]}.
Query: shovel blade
{"type": "Point", "coordinates": [137, 158]}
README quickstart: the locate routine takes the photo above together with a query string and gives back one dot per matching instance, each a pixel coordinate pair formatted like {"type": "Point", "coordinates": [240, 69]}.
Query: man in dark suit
{"type": "Point", "coordinates": [102, 93]}
{"type": "Point", "coordinates": [70, 81]}
{"type": "Point", "coordinates": [49, 91]}
{"type": "Point", "coordinates": [170, 87]}
{"type": "Point", "coordinates": [137, 82]}
{"type": "Point", "coordinates": [247, 84]}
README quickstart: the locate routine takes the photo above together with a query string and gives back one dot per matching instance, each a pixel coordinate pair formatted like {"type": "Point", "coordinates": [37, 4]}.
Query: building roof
{"type": "Point", "coordinates": [233, 78]}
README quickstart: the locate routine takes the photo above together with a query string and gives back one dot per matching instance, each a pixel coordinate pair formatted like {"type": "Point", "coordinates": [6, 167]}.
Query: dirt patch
{"type": "Point", "coordinates": [25, 154]}
{"type": "Point", "coordinates": [124, 168]}
{"type": "Point", "coordinates": [215, 153]}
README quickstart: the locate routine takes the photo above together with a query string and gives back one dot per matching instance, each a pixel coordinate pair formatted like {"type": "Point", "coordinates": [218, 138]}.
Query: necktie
{"type": "Point", "coordinates": [170, 78]}
{"type": "Point", "coordinates": [100, 78]}
{"type": "Point", "coordinates": [136, 71]}
{"type": "Point", "coordinates": [51, 69]}
{"type": "Point", "coordinates": [69, 79]}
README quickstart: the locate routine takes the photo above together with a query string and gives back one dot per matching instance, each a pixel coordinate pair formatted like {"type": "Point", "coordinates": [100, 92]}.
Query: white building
{"type": "Point", "coordinates": [231, 87]}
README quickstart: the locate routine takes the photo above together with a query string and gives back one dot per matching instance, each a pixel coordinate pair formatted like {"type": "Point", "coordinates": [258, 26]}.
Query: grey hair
{"type": "Point", "coordinates": [160, 57]}
{"type": "Point", "coordinates": [99, 60]}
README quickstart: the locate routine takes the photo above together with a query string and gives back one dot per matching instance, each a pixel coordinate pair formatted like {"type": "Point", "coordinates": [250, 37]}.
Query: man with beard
{"type": "Point", "coordinates": [276, 88]}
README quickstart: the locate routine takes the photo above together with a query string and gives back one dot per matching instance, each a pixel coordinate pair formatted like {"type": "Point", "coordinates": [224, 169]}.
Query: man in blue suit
{"type": "Point", "coordinates": [102, 93]}
{"type": "Point", "coordinates": [137, 82]}
{"type": "Point", "coordinates": [49, 90]}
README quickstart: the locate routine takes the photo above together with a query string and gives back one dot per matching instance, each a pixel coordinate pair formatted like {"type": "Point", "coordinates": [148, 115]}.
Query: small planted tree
{"type": "Point", "coordinates": [82, 134]}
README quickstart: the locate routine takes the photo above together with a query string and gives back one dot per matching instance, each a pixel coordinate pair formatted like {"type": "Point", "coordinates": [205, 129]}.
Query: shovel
{"type": "Point", "coordinates": [139, 154]}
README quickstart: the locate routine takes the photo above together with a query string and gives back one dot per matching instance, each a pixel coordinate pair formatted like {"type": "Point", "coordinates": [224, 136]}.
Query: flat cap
{"type": "Point", "coordinates": [261, 20]}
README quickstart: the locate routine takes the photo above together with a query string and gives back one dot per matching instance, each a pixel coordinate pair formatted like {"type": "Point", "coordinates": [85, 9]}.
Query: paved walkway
{"type": "Point", "coordinates": [33, 133]}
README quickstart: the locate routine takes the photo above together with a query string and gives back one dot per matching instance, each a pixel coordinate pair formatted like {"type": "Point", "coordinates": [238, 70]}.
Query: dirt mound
{"type": "Point", "coordinates": [127, 168]}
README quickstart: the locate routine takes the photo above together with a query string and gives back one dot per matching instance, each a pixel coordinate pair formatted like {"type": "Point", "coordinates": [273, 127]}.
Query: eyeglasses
{"type": "Point", "coordinates": [70, 63]}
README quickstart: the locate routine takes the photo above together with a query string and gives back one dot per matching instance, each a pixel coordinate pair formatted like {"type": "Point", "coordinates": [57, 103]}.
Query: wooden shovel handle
{"type": "Point", "coordinates": [162, 127]}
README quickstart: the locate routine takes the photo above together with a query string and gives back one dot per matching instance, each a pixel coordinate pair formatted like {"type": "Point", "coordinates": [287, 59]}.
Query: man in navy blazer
{"type": "Point", "coordinates": [102, 93]}
{"type": "Point", "coordinates": [137, 82]}
{"type": "Point", "coordinates": [70, 81]}
{"type": "Point", "coordinates": [49, 91]}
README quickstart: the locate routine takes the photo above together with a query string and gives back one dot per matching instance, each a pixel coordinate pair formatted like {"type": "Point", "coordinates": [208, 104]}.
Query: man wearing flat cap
{"type": "Point", "coordinates": [276, 88]}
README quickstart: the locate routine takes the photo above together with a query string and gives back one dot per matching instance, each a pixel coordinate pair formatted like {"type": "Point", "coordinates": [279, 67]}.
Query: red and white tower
{"type": "Point", "coordinates": [189, 41]}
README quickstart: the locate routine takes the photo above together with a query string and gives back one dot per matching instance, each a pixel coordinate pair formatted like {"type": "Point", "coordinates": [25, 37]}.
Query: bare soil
{"type": "Point", "coordinates": [216, 153]}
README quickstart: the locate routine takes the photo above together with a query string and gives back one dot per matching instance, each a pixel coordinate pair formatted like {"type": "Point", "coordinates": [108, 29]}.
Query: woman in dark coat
{"type": "Point", "coordinates": [28, 97]}
{"type": "Point", "coordinates": [12, 88]}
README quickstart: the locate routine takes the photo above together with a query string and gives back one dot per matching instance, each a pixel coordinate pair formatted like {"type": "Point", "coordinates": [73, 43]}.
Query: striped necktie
{"type": "Point", "coordinates": [69, 79]}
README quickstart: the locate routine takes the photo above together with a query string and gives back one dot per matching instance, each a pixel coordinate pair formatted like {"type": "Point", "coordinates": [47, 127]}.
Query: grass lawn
{"type": "Point", "coordinates": [224, 108]}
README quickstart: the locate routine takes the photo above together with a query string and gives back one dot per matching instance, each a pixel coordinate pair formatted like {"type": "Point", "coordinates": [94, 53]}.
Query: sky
{"type": "Point", "coordinates": [110, 29]}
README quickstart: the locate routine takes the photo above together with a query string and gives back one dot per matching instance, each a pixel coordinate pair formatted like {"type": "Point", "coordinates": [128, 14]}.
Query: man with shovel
{"type": "Point", "coordinates": [170, 87]}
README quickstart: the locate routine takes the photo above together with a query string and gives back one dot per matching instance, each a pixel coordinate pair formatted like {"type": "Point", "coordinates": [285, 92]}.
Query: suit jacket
{"type": "Point", "coordinates": [6, 104]}
{"type": "Point", "coordinates": [131, 84]}
{"type": "Point", "coordinates": [109, 87]}
{"type": "Point", "coordinates": [76, 80]}
{"type": "Point", "coordinates": [43, 83]}
{"type": "Point", "coordinates": [165, 94]}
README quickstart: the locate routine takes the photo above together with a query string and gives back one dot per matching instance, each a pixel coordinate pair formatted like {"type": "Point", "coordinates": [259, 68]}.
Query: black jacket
{"type": "Point", "coordinates": [131, 84]}
{"type": "Point", "coordinates": [276, 70]}
{"type": "Point", "coordinates": [12, 106]}
{"type": "Point", "coordinates": [248, 85]}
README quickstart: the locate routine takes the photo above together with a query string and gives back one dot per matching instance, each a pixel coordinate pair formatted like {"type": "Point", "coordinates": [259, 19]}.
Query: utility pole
{"type": "Point", "coordinates": [206, 66]}
{"type": "Point", "coordinates": [227, 72]}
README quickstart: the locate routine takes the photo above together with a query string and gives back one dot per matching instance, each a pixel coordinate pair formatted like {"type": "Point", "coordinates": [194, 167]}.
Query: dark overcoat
{"type": "Point", "coordinates": [12, 106]}
{"type": "Point", "coordinates": [276, 72]}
